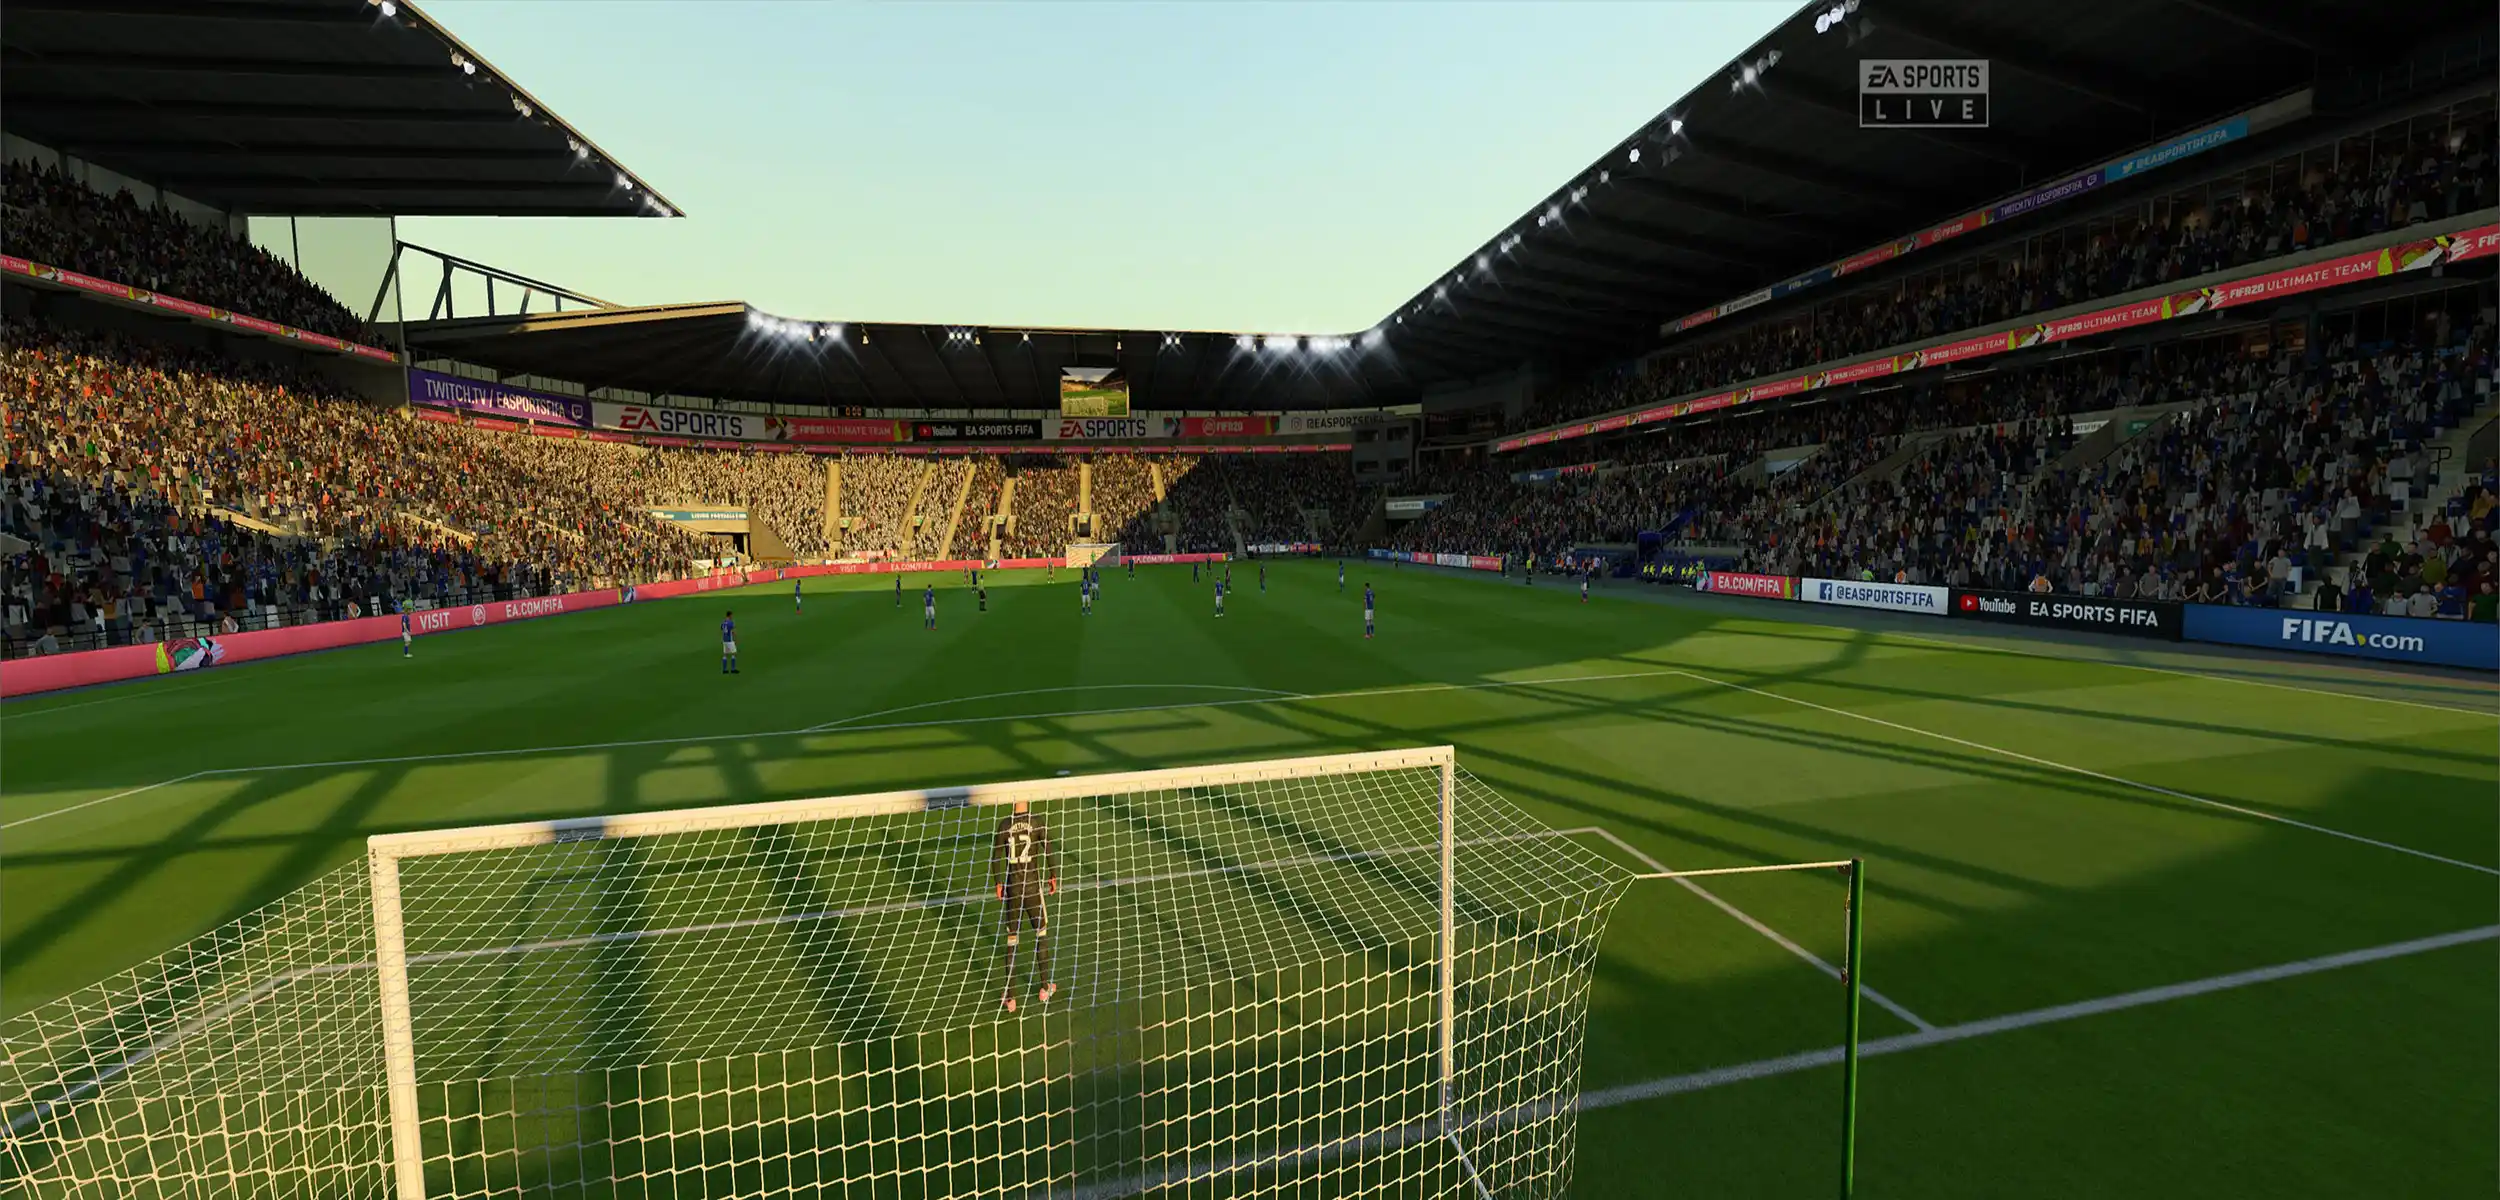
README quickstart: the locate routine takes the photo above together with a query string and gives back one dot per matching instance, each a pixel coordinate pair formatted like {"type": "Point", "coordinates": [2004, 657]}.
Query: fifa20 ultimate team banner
{"type": "Point", "coordinates": [2354, 635]}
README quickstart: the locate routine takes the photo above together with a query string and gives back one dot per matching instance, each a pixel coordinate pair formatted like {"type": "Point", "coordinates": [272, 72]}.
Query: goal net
{"type": "Point", "coordinates": [1086, 554]}
{"type": "Point", "coordinates": [1360, 975]}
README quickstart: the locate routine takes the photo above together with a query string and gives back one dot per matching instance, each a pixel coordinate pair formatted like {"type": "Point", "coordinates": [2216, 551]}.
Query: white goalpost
{"type": "Point", "coordinates": [1088, 554]}
{"type": "Point", "coordinates": [1352, 975]}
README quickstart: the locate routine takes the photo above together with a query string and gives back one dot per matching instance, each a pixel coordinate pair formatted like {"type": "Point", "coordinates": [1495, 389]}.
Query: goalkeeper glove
{"type": "Point", "coordinates": [1054, 885]}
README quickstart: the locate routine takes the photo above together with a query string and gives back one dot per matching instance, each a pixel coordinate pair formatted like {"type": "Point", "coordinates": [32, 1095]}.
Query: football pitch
{"type": "Point", "coordinates": [2167, 926]}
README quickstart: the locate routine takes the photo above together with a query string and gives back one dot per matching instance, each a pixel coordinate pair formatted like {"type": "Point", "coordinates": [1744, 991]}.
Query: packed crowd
{"type": "Point", "coordinates": [286, 450]}
{"type": "Point", "coordinates": [876, 496]}
{"type": "Point", "coordinates": [1280, 496]}
{"type": "Point", "coordinates": [58, 221]}
{"type": "Point", "coordinates": [937, 506]}
{"type": "Point", "coordinates": [1046, 495]}
{"type": "Point", "coordinates": [1691, 481]}
{"type": "Point", "coordinates": [1195, 491]}
{"type": "Point", "coordinates": [2284, 466]}
{"type": "Point", "coordinates": [113, 561]}
{"type": "Point", "coordinates": [2439, 173]}
{"type": "Point", "coordinates": [1123, 496]}
{"type": "Point", "coordinates": [781, 490]}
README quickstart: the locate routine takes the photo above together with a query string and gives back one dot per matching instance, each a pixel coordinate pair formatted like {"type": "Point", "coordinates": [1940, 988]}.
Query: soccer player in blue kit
{"type": "Point", "coordinates": [407, 636]}
{"type": "Point", "coordinates": [898, 591]}
{"type": "Point", "coordinates": [798, 596]}
{"type": "Point", "coordinates": [728, 643]}
{"type": "Point", "coordinates": [928, 607]}
{"type": "Point", "coordinates": [1219, 597]}
{"type": "Point", "coordinates": [1367, 611]}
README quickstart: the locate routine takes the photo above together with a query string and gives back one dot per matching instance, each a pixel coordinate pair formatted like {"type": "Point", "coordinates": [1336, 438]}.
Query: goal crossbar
{"type": "Point", "coordinates": [422, 843]}
{"type": "Point", "coordinates": [385, 852]}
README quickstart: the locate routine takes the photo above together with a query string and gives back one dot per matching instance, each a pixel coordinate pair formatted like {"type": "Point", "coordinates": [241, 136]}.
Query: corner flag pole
{"type": "Point", "coordinates": [1852, 959]}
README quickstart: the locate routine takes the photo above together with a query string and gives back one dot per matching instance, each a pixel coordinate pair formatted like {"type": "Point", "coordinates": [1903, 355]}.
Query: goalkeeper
{"type": "Point", "coordinates": [1022, 870]}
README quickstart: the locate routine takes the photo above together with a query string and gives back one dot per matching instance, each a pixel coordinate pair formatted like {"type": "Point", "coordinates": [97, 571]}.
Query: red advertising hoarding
{"type": "Point", "coordinates": [1738, 583]}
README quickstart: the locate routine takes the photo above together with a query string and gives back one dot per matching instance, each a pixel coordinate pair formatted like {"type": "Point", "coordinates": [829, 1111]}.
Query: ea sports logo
{"type": "Point", "coordinates": [477, 614]}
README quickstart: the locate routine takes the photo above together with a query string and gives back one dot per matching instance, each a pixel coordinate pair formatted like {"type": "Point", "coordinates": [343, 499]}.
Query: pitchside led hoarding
{"type": "Point", "coordinates": [2355, 635]}
{"type": "Point", "coordinates": [1889, 597]}
{"type": "Point", "coordinates": [2139, 618]}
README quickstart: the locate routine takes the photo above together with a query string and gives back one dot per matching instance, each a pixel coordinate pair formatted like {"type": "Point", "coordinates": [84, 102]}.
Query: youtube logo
{"type": "Point", "coordinates": [1970, 603]}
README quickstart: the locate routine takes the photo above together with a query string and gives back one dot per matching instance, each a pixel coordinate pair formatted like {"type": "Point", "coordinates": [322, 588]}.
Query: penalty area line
{"type": "Point", "coordinates": [830, 729]}
{"type": "Point", "coordinates": [1181, 1174]}
{"type": "Point", "coordinates": [2103, 776]}
{"type": "Point", "coordinates": [1987, 1026]}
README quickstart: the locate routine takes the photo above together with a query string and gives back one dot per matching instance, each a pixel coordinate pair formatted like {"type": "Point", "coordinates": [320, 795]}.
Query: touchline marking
{"type": "Point", "coordinates": [1413, 1132]}
{"type": "Point", "coordinates": [1887, 1003]}
{"type": "Point", "coordinates": [145, 787]}
{"type": "Point", "coordinates": [2156, 789]}
{"type": "Point", "coordinates": [694, 739]}
{"type": "Point", "coordinates": [1986, 648]}
{"type": "Point", "coordinates": [1276, 693]}
{"type": "Point", "coordinates": [1764, 1068]}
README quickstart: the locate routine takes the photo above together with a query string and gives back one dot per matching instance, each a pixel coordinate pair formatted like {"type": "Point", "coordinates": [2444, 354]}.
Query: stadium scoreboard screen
{"type": "Point", "coordinates": [1923, 93]}
{"type": "Point", "coordinates": [1092, 392]}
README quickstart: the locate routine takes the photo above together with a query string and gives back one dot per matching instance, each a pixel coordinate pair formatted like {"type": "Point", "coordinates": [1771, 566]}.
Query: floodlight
{"type": "Point", "coordinates": [1675, 125]}
{"type": "Point", "coordinates": [1634, 156]}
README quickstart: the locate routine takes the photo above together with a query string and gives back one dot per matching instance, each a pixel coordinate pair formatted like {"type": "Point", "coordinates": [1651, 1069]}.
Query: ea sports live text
{"type": "Point", "coordinates": [1923, 93]}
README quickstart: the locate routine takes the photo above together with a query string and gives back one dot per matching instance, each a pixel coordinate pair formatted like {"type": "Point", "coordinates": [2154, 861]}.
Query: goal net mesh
{"type": "Point", "coordinates": [1247, 1001]}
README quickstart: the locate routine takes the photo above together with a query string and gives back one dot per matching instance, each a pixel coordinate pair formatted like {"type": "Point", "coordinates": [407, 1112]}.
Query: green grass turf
{"type": "Point", "coordinates": [1996, 885]}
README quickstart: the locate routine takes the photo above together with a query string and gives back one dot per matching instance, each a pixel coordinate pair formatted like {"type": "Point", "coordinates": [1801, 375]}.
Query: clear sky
{"type": "Point", "coordinates": [1212, 165]}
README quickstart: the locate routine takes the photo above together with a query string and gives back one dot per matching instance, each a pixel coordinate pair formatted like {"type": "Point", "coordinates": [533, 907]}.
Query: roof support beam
{"type": "Point", "coordinates": [1807, 94]}
{"type": "Point", "coordinates": [1857, 186]}
{"type": "Point", "coordinates": [227, 151]}
{"type": "Point", "coordinates": [235, 12]}
{"type": "Point", "coordinates": [86, 62]}
{"type": "Point", "coordinates": [1783, 224]}
{"type": "Point", "coordinates": [39, 104]}
{"type": "Point", "coordinates": [2261, 22]}
{"type": "Point", "coordinates": [1678, 243]}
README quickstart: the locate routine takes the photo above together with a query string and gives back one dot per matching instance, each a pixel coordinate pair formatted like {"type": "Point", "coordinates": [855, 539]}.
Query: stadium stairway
{"type": "Point", "coordinates": [906, 535]}
{"type": "Point", "coordinates": [2448, 456]}
{"type": "Point", "coordinates": [955, 511]}
{"type": "Point", "coordinates": [1904, 452]}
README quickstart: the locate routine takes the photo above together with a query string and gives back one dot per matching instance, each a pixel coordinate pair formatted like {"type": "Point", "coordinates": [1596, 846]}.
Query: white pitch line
{"type": "Point", "coordinates": [1275, 693]}
{"type": "Point", "coordinates": [2330, 693]}
{"type": "Point", "coordinates": [146, 787]}
{"type": "Point", "coordinates": [1398, 1137]}
{"type": "Point", "coordinates": [1887, 1003]}
{"type": "Point", "coordinates": [694, 739]}
{"type": "Point", "coordinates": [1764, 1068]}
{"type": "Point", "coordinates": [2105, 777]}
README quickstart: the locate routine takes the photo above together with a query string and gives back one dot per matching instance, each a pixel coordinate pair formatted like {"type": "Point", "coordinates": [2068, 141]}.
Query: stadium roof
{"type": "Point", "coordinates": [1759, 173]}
{"type": "Point", "coordinates": [730, 351]}
{"type": "Point", "coordinates": [1762, 171]}
{"type": "Point", "coordinates": [299, 107]}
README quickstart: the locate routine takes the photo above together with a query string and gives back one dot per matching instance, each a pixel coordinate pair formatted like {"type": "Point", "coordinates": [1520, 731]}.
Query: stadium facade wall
{"type": "Point", "coordinates": [114, 664]}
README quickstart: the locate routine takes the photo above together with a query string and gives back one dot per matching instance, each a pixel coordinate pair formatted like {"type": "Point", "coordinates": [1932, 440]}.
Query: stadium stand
{"type": "Point", "coordinates": [1046, 494]}
{"type": "Point", "coordinates": [58, 221]}
{"type": "Point", "coordinates": [1123, 496]}
{"type": "Point", "coordinates": [2414, 172]}
{"type": "Point", "coordinates": [876, 496]}
{"type": "Point", "coordinates": [2267, 473]}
